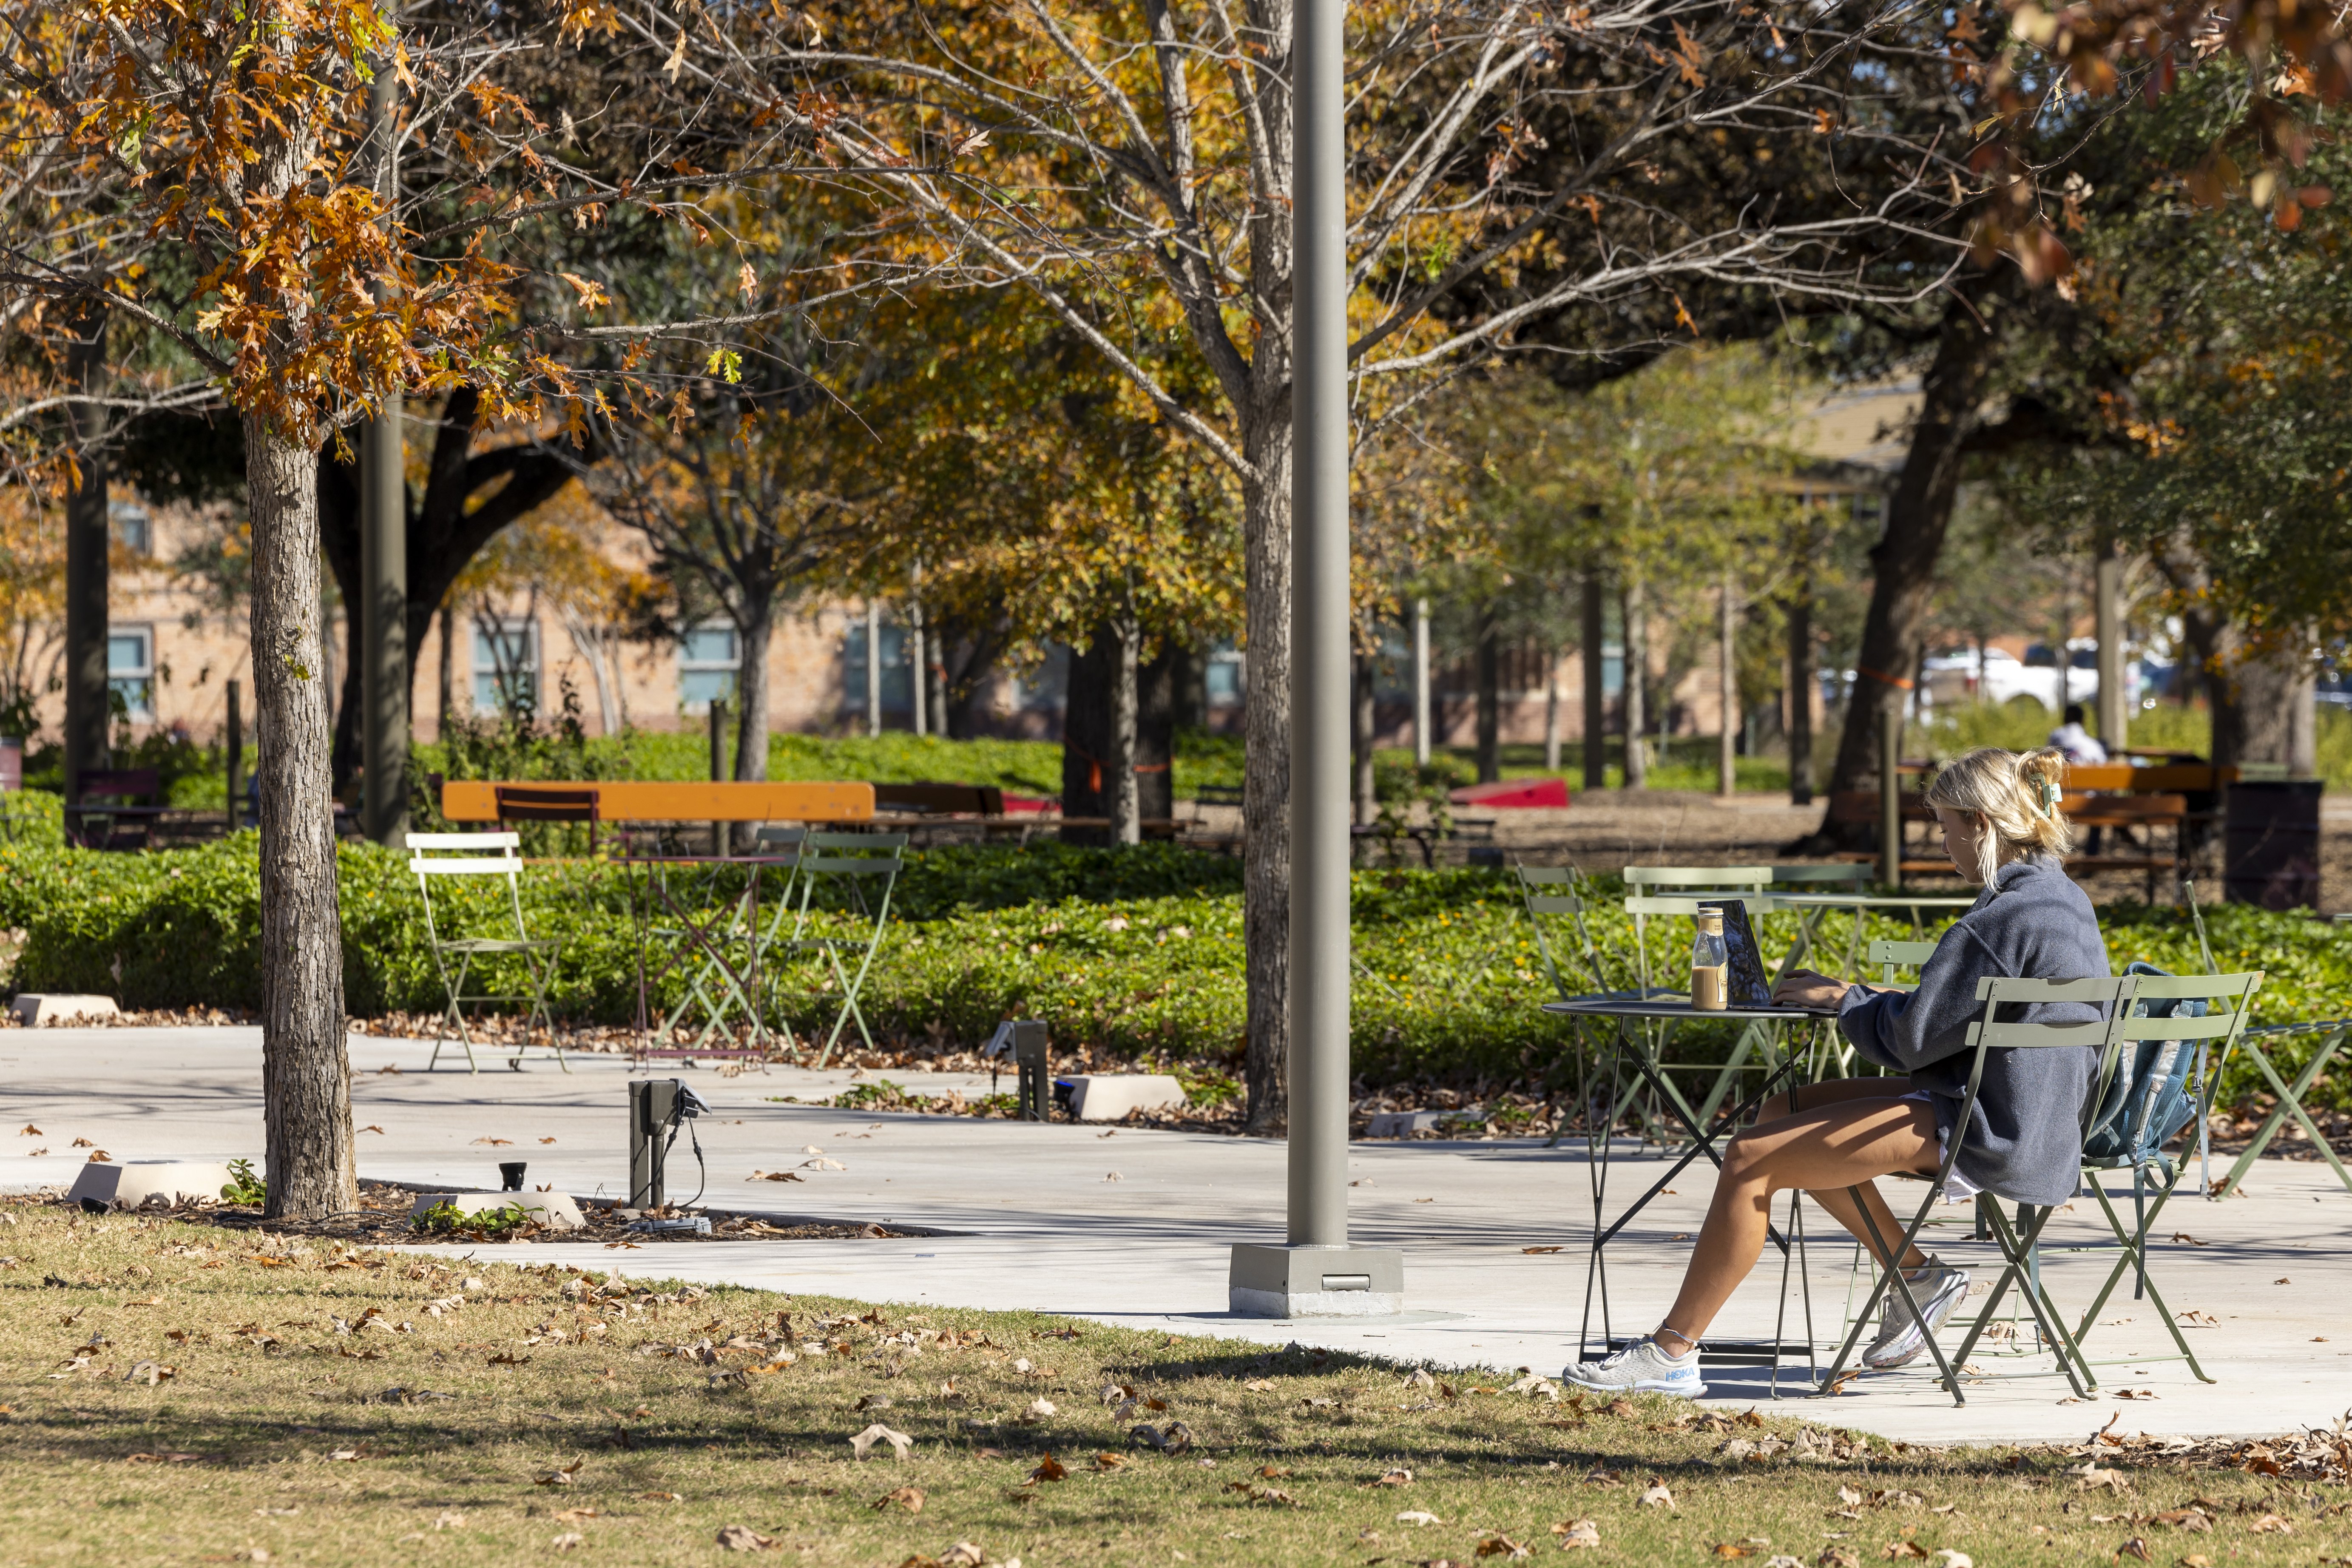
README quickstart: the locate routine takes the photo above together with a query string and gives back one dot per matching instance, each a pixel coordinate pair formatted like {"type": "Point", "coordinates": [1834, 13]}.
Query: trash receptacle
{"type": "Point", "coordinates": [2272, 842]}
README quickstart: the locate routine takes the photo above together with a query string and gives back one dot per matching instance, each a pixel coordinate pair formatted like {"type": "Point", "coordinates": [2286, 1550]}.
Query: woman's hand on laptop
{"type": "Point", "coordinates": [1809, 988]}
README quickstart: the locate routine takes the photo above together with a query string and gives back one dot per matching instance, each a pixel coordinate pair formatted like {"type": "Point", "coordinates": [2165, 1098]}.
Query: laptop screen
{"type": "Point", "coordinates": [1746, 986]}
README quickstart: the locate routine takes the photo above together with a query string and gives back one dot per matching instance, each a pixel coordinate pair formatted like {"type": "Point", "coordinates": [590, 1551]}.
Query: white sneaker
{"type": "Point", "coordinates": [1940, 1288]}
{"type": "Point", "coordinates": [1641, 1367]}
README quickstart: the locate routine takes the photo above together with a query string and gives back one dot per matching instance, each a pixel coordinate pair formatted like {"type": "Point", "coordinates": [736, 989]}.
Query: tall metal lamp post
{"type": "Point", "coordinates": [1317, 1273]}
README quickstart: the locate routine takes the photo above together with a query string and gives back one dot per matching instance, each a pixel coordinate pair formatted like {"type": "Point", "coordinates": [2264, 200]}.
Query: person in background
{"type": "Point", "coordinates": [2079, 745]}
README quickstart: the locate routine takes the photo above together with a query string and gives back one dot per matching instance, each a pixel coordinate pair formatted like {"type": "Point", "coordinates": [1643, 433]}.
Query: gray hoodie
{"type": "Point", "coordinates": [2025, 1141]}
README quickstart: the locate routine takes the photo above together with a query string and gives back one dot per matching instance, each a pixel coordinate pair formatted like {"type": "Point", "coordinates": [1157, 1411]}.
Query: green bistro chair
{"type": "Point", "coordinates": [1654, 1039]}
{"type": "Point", "coordinates": [433, 857]}
{"type": "Point", "coordinates": [855, 874]}
{"type": "Point", "coordinates": [2147, 1091]}
{"type": "Point", "coordinates": [2018, 1245]}
{"type": "Point", "coordinates": [716, 987]}
{"type": "Point", "coordinates": [1832, 877]}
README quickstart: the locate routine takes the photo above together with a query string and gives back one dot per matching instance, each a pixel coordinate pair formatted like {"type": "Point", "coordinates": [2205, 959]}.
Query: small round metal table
{"type": "Point", "coordinates": [1637, 1048]}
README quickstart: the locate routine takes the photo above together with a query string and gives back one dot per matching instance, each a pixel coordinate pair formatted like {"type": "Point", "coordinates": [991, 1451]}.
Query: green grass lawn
{"type": "Point", "coordinates": [183, 1393]}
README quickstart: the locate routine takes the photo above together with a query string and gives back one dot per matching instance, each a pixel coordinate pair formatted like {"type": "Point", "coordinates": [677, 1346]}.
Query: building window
{"type": "Point", "coordinates": [130, 669]}
{"type": "Point", "coordinates": [1221, 678]}
{"type": "Point", "coordinates": [710, 663]}
{"type": "Point", "coordinates": [506, 666]}
{"type": "Point", "coordinates": [897, 679]}
{"type": "Point", "coordinates": [129, 523]}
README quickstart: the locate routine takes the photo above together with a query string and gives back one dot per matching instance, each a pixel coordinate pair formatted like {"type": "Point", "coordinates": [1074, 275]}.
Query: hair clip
{"type": "Point", "coordinates": [2049, 789]}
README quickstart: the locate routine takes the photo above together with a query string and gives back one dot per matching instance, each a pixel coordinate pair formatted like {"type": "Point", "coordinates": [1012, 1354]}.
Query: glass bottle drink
{"type": "Point", "coordinates": [1710, 965]}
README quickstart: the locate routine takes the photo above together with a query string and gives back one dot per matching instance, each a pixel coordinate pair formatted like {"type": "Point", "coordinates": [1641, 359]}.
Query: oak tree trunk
{"type": "Point", "coordinates": [1727, 755]}
{"type": "Point", "coordinates": [306, 1075]}
{"type": "Point", "coordinates": [1490, 696]}
{"type": "Point", "coordinates": [1265, 778]}
{"type": "Point", "coordinates": [752, 692]}
{"type": "Point", "coordinates": [1126, 809]}
{"type": "Point", "coordinates": [1919, 515]}
{"type": "Point", "coordinates": [1637, 682]}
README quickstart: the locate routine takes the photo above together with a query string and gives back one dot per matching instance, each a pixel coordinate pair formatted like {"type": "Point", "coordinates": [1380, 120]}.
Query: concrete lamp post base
{"type": "Point", "coordinates": [1317, 1281]}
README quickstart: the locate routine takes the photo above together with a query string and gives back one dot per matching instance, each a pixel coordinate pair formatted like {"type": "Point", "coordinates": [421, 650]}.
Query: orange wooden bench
{"type": "Point", "coordinates": [635, 800]}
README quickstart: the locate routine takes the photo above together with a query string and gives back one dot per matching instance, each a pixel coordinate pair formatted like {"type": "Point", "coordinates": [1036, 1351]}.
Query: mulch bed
{"type": "Point", "coordinates": [384, 1218]}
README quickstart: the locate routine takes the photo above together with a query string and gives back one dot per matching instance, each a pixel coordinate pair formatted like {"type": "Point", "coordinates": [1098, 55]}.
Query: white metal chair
{"type": "Point", "coordinates": [433, 856]}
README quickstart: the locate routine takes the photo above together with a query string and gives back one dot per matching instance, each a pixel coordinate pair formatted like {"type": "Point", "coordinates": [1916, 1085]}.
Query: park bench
{"type": "Point", "coordinates": [129, 825]}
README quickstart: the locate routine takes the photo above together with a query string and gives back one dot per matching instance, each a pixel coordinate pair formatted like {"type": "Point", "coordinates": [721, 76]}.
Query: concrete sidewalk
{"type": "Point", "coordinates": [1133, 1227]}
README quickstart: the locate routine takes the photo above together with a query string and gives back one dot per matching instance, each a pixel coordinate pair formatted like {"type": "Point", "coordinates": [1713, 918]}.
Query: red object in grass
{"type": "Point", "coordinates": [1509, 794]}
{"type": "Point", "coordinates": [1029, 805]}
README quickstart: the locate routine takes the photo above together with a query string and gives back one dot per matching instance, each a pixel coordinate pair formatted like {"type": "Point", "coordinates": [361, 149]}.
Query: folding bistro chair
{"type": "Point", "coordinates": [1654, 1039]}
{"type": "Point", "coordinates": [2018, 1245]}
{"type": "Point", "coordinates": [859, 871]}
{"type": "Point", "coordinates": [2258, 1043]}
{"type": "Point", "coordinates": [1832, 877]}
{"type": "Point", "coordinates": [1890, 955]}
{"type": "Point", "coordinates": [550, 803]}
{"type": "Point", "coordinates": [1554, 912]}
{"type": "Point", "coordinates": [438, 855]}
{"type": "Point", "coordinates": [717, 987]}
{"type": "Point", "coordinates": [2148, 1089]}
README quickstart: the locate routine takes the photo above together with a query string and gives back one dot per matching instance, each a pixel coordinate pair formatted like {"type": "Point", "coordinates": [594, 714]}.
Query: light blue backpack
{"type": "Point", "coordinates": [2150, 1098]}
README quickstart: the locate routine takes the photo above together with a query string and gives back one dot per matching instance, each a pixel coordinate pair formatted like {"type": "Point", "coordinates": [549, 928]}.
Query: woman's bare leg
{"type": "Point", "coordinates": [1838, 1202]}
{"type": "Point", "coordinates": [1828, 1149]}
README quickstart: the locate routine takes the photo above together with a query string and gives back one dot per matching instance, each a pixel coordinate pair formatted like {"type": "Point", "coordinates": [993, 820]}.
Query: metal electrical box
{"type": "Point", "coordinates": [653, 1117]}
{"type": "Point", "coordinates": [1025, 1040]}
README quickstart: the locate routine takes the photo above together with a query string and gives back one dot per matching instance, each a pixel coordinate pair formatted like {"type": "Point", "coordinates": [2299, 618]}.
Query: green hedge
{"type": "Point", "coordinates": [1134, 952]}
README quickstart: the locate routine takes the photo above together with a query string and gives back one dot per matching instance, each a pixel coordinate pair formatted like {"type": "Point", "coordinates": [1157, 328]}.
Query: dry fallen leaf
{"type": "Point", "coordinates": [737, 1538]}
{"type": "Point", "coordinates": [1394, 1478]}
{"type": "Point", "coordinates": [1904, 1549]}
{"type": "Point", "coordinates": [1657, 1496]}
{"type": "Point", "coordinates": [31, 1131]}
{"type": "Point", "coordinates": [495, 1143]}
{"type": "Point", "coordinates": [371, 1128]}
{"type": "Point", "coordinates": [1574, 1537]}
{"type": "Point", "coordinates": [2271, 1524]}
{"type": "Point", "coordinates": [1504, 1547]}
{"type": "Point", "coordinates": [878, 1433]}
{"type": "Point", "coordinates": [86, 1143]}
{"type": "Point", "coordinates": [962, 1554]}
{"type": "Point", "coordinates": [1837, 1557]}
{"type": "Point", "coordinates": [909, 1497]}
{"type": "Point", "coordinates": [568, 1540]}
{"type": "Point", "coordinates": [449, 1521]}
{"type": "Point", "coordinates": [1258, 1385]}
{"type": "Point", "coordinates": [660, 1497]}
{"type": "Point", "coordinates": [2135, 1547]}
{"type": "Point", "coordinates": [1415, 1515]}
{"type": "Point", "coordinates": [1947, 1558]}
{"type": "Point", "coordinates": [1532, 1250]}
{"type": "Point", "coordinates": [1049, 1470]}
{"type": "Point", "coordinates": [547, 1140]}
{"type": "Point", "coordinates": [1040, 1408]}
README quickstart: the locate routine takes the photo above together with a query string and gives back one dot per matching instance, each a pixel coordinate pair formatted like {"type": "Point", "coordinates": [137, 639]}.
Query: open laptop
{"type": "Point", "coordinates": [1744, 985]}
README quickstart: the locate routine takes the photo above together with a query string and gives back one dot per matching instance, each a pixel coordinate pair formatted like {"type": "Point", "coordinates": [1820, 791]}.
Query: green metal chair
{"type": "Point", "coordinates": [1832, 877]}
{"type": "Point", "coordinates": [2019, 1244]}
{"type": "Point", "coordinates": [1655, 1038]}
{"type": "Point", "coordinates": [436, 856]}
{"type": "Point", "coordinates": [1555, 902]}
{"type": "Point", "coordinates": [856, 873]}
{"type": "Point", "coordinates": [713, 986]}
{"type": "Point", "coordinates": [2162, 1018]}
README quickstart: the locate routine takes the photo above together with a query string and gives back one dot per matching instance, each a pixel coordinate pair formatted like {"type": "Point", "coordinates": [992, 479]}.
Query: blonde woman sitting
{"type": "Point", "coordinates": [2022, 1141]}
